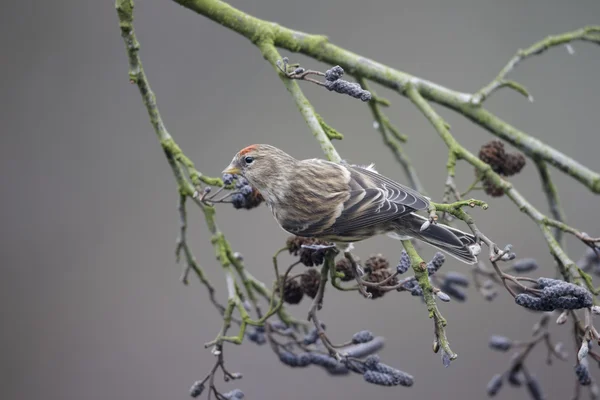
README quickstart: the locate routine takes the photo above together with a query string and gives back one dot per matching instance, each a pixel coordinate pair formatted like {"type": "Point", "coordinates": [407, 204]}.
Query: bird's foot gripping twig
{"type": "Point", "coordinates": [320, 247]}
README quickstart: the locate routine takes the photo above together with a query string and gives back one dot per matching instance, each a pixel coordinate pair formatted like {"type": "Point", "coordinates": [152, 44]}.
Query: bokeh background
{"type": "Point", "coordinates": [90, 300]}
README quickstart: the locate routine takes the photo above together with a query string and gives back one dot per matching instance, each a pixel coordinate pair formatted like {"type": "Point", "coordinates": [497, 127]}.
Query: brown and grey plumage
{"type": "Point", "coordinates": [342, 203]}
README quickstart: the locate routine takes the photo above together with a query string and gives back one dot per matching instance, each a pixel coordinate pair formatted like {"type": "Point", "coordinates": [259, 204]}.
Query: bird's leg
{"type": "Point", "coordinates": [318, 247]}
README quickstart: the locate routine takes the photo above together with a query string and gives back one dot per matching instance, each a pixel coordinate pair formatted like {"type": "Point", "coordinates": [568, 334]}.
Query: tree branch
{"type": "Point", "coordinates": [553, 200]}
{"type": "Point", "coordinates": [420, 269]}
{"type": "Point", "coordinates": [318, 47]}
{"type": "Point", "coordinates": [566, 265]}
{"type": "Point", "coordinates": [191, 262]}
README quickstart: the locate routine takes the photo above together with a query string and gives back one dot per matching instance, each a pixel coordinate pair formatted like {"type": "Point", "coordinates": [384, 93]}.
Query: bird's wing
{"type": "Point", "coordinates": [368, 200]}
{"type": "Point", "coordinates": [409, 197]}
{"type": "Point", "coordinates": [375, 199]}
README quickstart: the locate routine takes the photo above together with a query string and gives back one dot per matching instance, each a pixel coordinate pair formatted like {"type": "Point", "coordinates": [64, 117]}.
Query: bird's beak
{"type": "Point", "coordinates": [232, 169]}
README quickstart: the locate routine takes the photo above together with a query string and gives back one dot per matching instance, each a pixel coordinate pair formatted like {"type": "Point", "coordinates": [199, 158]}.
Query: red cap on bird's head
{"type": "Point", "coordinates": [247, 149]}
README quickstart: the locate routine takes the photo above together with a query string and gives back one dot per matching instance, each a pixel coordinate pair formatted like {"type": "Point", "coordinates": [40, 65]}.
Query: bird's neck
{"type": "Point", "coordinates": [274, 185]}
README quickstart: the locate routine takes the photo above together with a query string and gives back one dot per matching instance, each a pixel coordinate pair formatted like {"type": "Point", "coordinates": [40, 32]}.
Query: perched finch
{"type": "Point", "coordinates": [342, 203]}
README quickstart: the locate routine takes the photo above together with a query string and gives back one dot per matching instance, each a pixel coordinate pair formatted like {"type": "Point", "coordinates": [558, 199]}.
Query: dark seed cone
{"type": "Point", "coordinates": [493, 153]}
{"type": "Point", "coordinates": [254, 199]}
{"type": "Point", "coordinates": [310, 282]}
{"type": "Point", "coordinates": [502, 163]}
{"type": "Point", "coordinates": [376, 262]}
{"type": "Point", "coordinates": [292, 292]}
{"type": "Point", "coordinates": [514, 164]}
{"type": "Point", "coordinates": [379, 276]}
{"type": "Point", "coordinates": [344, 266]}
{"type": "Point", "coordinates": [492, 189]}
{"type": "Point", "coordinates": [308, 257]}
{"type": "Point", "coordinates": [294, 244]}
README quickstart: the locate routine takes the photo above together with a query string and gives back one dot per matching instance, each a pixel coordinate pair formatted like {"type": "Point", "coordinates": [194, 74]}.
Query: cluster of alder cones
{"type": "Point", "coordinates": [307, 283]}
{"type": "Point", "coordinates": [502, 163]}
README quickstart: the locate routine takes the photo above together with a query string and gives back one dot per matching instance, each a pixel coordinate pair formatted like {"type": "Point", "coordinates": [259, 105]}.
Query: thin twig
{"type": "Point", "coordinates": [191, 262]}
{"type": "Point", "coordinates": [587, 34]}
{"type": "Point", "coordinates": [553, 199]}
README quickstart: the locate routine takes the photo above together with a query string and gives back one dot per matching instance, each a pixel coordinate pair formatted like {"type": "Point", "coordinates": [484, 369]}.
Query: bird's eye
{"type": "Point", "coordinates": [249, 160]}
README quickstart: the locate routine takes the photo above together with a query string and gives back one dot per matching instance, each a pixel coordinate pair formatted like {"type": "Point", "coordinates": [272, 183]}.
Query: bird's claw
{"type": "Point", "coordinates": [318, 247]}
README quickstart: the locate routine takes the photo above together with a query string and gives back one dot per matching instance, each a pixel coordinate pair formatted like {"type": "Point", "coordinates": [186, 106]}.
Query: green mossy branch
{"type": "Point", "coordinates": [197, 178]}
{"type": "Point", "coordinates": [420, 269]}
{"type": "Point", "coordinates": [331, 133]}
{"type": "Point", "coordinates": [318, 47]}
{"type": "Point", "coordinates": [456, 208]}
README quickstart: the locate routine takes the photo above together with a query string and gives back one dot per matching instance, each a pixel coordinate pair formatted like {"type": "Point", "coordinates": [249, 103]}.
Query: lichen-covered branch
{"type": "Point", "coordinates": [420, 269]}
{"type": "Point", "coordinates": [318, 47]}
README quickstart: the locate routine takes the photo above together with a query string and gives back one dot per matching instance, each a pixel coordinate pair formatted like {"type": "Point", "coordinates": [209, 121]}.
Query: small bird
{"type": "Point", "coordinates": [343, 203]}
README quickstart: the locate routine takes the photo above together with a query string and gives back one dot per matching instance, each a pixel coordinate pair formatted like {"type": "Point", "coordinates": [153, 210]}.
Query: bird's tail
{"type": "Point", "coordinates": [458, 244]}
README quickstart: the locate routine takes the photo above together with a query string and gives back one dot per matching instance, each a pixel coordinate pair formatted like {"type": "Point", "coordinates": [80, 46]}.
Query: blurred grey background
{"type": "Point", "coordinates": [90, 299]}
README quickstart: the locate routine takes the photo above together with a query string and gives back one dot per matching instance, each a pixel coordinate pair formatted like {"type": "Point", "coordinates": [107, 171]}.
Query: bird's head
{"type": "Point", "coordinates": [261, 165]}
